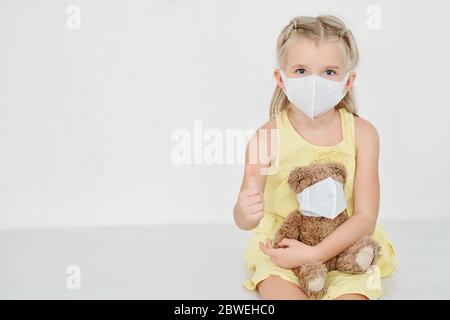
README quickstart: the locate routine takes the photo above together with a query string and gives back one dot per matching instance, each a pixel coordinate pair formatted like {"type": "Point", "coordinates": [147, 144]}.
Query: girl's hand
{"type": "Point", "coordinates": [250, 201]}
{"type": "Point", "coordinates": [292, 254]}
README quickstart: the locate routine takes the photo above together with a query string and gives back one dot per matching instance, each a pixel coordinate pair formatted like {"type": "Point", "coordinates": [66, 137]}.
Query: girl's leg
{"type": "Point", "coordinates": [352, 296]}
{"type": "Point", "coordinates": [276, 288]}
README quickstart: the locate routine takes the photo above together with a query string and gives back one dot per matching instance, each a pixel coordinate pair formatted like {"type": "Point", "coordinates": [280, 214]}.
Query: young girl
{"type": "Point", "coordinates": [314, 114]}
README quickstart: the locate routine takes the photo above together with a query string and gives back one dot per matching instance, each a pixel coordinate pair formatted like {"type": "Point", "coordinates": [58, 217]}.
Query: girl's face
{"type": "Point", "coordinates": [323, 58]}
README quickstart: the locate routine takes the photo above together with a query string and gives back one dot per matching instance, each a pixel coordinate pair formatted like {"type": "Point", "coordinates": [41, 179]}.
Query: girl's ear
{"type": "Point", "coordinates": [278, 79]}
{"type": "Point", "coordinates": [350, 80]}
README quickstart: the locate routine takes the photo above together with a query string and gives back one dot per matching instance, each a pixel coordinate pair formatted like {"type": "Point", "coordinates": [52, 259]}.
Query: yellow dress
{"type": "Point", "coordinates": [279, 201]}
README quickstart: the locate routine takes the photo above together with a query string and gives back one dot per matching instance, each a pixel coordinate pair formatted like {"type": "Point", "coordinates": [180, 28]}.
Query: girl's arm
{"type": "Point", "coordinates": [258, 155]}
{"type": "Point", "coordinates": [366, 195]}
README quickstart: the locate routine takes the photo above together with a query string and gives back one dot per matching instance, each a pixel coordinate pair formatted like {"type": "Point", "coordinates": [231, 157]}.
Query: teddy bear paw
{"type": "Point", "coordinates": [316, 284]}
{"type": "Point", "coordinates": [365, 257]}
{"type": "Point", "coordinates": [312, 278]}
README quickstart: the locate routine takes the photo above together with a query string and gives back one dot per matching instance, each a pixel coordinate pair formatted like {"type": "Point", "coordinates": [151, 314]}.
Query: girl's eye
{"type": "Point", "coordinates": [302, 71]}
{"type": "Point", "coordinates": [330, 72]}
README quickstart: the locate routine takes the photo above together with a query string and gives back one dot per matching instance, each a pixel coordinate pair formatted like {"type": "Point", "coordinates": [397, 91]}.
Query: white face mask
{"type": "Point", "coordinates": [313, 95]}
{"type": "Point", "coordinates": [325, 198]}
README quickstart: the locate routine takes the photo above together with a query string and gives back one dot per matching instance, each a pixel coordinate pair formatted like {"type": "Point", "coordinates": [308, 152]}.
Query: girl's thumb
{"type": "Point", "coordinates": [285, 242]}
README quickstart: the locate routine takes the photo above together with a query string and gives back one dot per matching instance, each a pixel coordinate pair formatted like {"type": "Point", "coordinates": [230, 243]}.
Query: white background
{"type": "Point", "coordinates": [86, 116]}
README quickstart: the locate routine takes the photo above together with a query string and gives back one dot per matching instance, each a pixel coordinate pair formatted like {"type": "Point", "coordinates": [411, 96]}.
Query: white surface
{"type": "Point", "coordinates": [87, 115]}
{"type": "Point", "coordinates": [187, 262]}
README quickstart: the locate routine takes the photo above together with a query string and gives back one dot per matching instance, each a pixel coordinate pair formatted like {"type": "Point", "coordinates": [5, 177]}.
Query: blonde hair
{"type": "Point", "coordinates": [316, 28]}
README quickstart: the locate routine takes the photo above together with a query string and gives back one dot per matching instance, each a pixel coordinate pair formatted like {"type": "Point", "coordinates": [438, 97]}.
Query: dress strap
{"type": "Point", "coordinates": [348, 127]}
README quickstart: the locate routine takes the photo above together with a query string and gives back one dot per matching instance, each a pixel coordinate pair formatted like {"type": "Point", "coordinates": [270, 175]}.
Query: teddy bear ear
{"type": "Point", "coordinates": [338, 171]}
{"type": "Point", "coordinates": [299, 178]}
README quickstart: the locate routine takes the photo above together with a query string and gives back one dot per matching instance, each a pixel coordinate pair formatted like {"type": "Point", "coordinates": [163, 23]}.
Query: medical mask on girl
{"type": "Point", "coordinates": [314, 95]}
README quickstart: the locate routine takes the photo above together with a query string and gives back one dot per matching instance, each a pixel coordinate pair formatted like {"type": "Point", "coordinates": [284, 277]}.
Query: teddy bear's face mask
{"type": "Point", "coordinates": [325, 198]}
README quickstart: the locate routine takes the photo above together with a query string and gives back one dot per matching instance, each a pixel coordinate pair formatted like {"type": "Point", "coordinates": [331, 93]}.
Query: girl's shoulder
{"type": "Point", "coordinates": [266, 128]}
{"type": "Point", "coordinates": [366, 134]}
{"type": "Point", "coordinates": [263, 142]}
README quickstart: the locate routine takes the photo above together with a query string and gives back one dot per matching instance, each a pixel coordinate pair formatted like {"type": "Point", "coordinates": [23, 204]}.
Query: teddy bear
{"type": "Point", "coordinates": [311, 230]}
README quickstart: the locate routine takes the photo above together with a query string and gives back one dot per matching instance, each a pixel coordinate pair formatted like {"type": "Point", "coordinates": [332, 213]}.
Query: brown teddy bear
{"type": "Point", "coordinates": [311, 230]}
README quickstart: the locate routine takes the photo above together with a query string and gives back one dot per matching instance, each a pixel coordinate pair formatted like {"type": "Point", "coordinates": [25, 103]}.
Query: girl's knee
{"type": "Point", "coordinates": [276, 288]}
{"type": "Point", "coordinates": [352, 296]}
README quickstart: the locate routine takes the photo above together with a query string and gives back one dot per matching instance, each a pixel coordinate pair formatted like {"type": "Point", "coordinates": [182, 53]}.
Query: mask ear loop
{"type": "Point", "coordinates": [283, 76]}
{"type": "Point", "coordinates": [347, 75]}
{"type": "Point", "coordinates": [344, 81]}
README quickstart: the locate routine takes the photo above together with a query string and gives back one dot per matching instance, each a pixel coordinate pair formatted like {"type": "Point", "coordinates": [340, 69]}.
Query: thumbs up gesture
{"type": "Point", "coordinates": [250, 200]}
